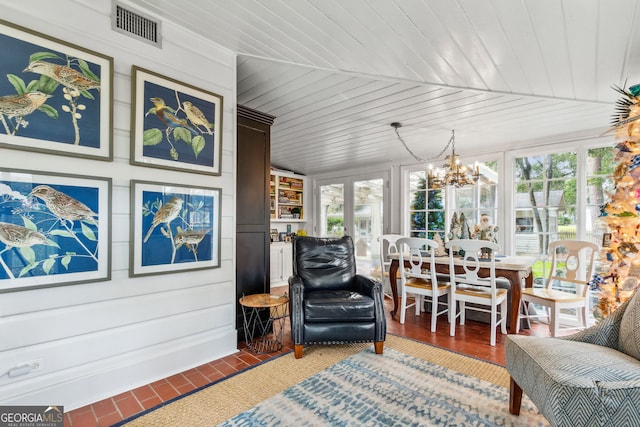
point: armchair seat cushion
(338, 306)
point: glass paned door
(355, 206)
(368, 221)
(332, 210)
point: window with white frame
(426, 213)
(600, 167)
(550, 199)
(544, 201)
(558, 198)
(481, 198)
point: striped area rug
(394, 390)
(411, 384)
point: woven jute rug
(220, 402)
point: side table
(264, 334)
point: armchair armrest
(605, 333)
(366, 285)
(296, 294)
(372, 288)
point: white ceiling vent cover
(136, 25)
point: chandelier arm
(452, 173)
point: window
(426, 209)
(428, 212)
(480, 199)
(552, 203)
(600, 166)
(545, 201)
(559, 197)
(553, 195)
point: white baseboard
(86, 384)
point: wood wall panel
(100, 339)
(252, 206)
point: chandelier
(452, 172)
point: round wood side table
(264, 317)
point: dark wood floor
(471, 339)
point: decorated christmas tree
(622, 213)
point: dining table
(514, 268)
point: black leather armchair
(329, 302)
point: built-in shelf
(287, 197)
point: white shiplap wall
(100, 339)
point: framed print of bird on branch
(174, 125)
(173, 228)
(55, 97)
(54, 229)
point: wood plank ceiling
(502, 73)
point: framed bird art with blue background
(173, 228)
(54, 229)
(55, 97)
(174, 125)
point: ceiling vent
(136, 25)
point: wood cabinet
(281, 263)
(287, 197)
(253, 240)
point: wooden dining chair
(567, 287)
(387, 246)
(468, 287)
(414, 254)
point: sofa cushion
(338, 306)
(629, 331)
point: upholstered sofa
(591, 378)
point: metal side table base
(264, 334)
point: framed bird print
(55, 97)
(173, 228)
(54, 229)
(174, 125)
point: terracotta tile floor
(471, 339)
